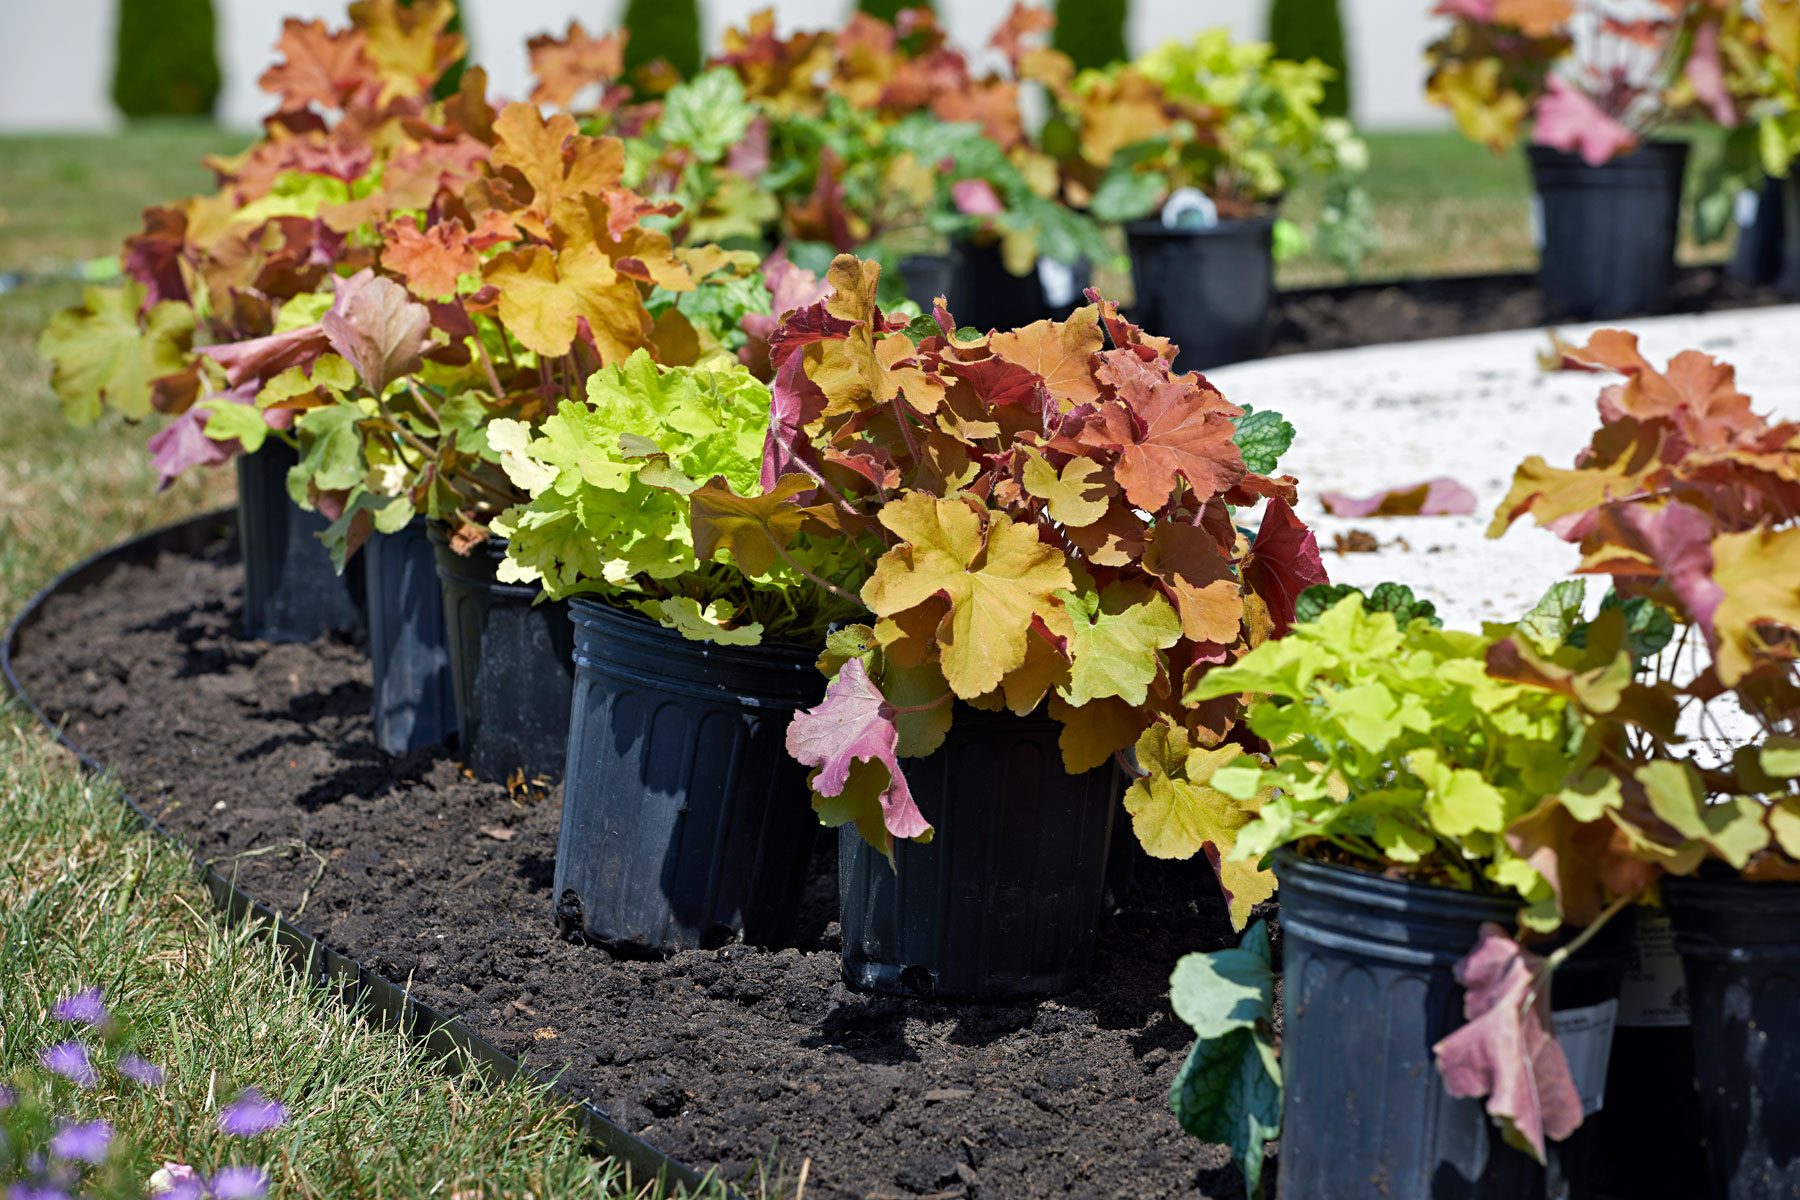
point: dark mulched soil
(1338, 318)
(717, 1057)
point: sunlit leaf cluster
(1048, 516)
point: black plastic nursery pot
(1004, 902)
(409, 651)
(1757, 253)
(1650, 1094)
(685, 822)
(1368, 991)
(1740, 947)
(926, 277)
(292, 593)
(983, 293)
(1609, 232)
(1207, 290)
(511, 665)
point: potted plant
(1594, 86)
(1050, 552)
(1744, 74)
(537, 272)
(226, 291)
(1411, 797)
(684, 822)
(1192, 148)
(1685, 499)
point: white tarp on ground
(1472, 408)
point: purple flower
(240, 1183)
(83, 1008)
(82, 1142)
(70, 1060)
(35, 1191)
(252, 1113)
(8, 1097)
(141, 1071)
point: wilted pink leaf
(1467, 10)
(749, 158)
(855, 721)
(1507, 1052)
(378, 328)
(976, 198)
(1678, 539)
(261, 359)
(789, 288)
(1706, 72)
(1284, 561)
(1438, 497)
(1568, 119)
(182, 444)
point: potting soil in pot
(717, 1057)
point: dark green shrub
(665, 29)
(1092, 32)
(166, 64)
(1303, 29)
(887, 10)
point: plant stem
(1562, 955)
(833, 588)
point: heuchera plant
(1593, 77)
(244, 272)
(1229, 120)
(1048, 518)
(634, 492)
(441, 264)
(1685, 500)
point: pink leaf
(1678, 539)
(378, 328)
(1438, 497)
(183, 444)
(795, 401)
(1507, 1052)
(261, 359)
(855, 721)
(1467, 10)
(976, 198)
(1568, 119)
(1707, 74)
(1284, 561)
(749, 158)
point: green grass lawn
(85, 900)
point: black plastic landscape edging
(354, 984)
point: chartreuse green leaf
(613, 482)
(103, 355)
(1117, 635)
(231, 421)
(1733, 828)
(1263, 436)
(331, 452)
(707, 115)
(1550, 622)
(1393, 740)
(1228, 1091)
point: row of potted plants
(1464, 823)
(1595, 83)
(700, 523)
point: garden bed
(262, 758)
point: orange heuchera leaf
(545, 294)
(1059, 352)
(564, 66)
(1534, 18)
(1758, 614)
(1507, 1052)
(1166, 429)
(554, 158)
(430, 261)
(318, 66)
(755, 529)
(408, 42)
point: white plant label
(1744, 208)
(1653, 993)
(1058, 281)
(1585, 1035)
